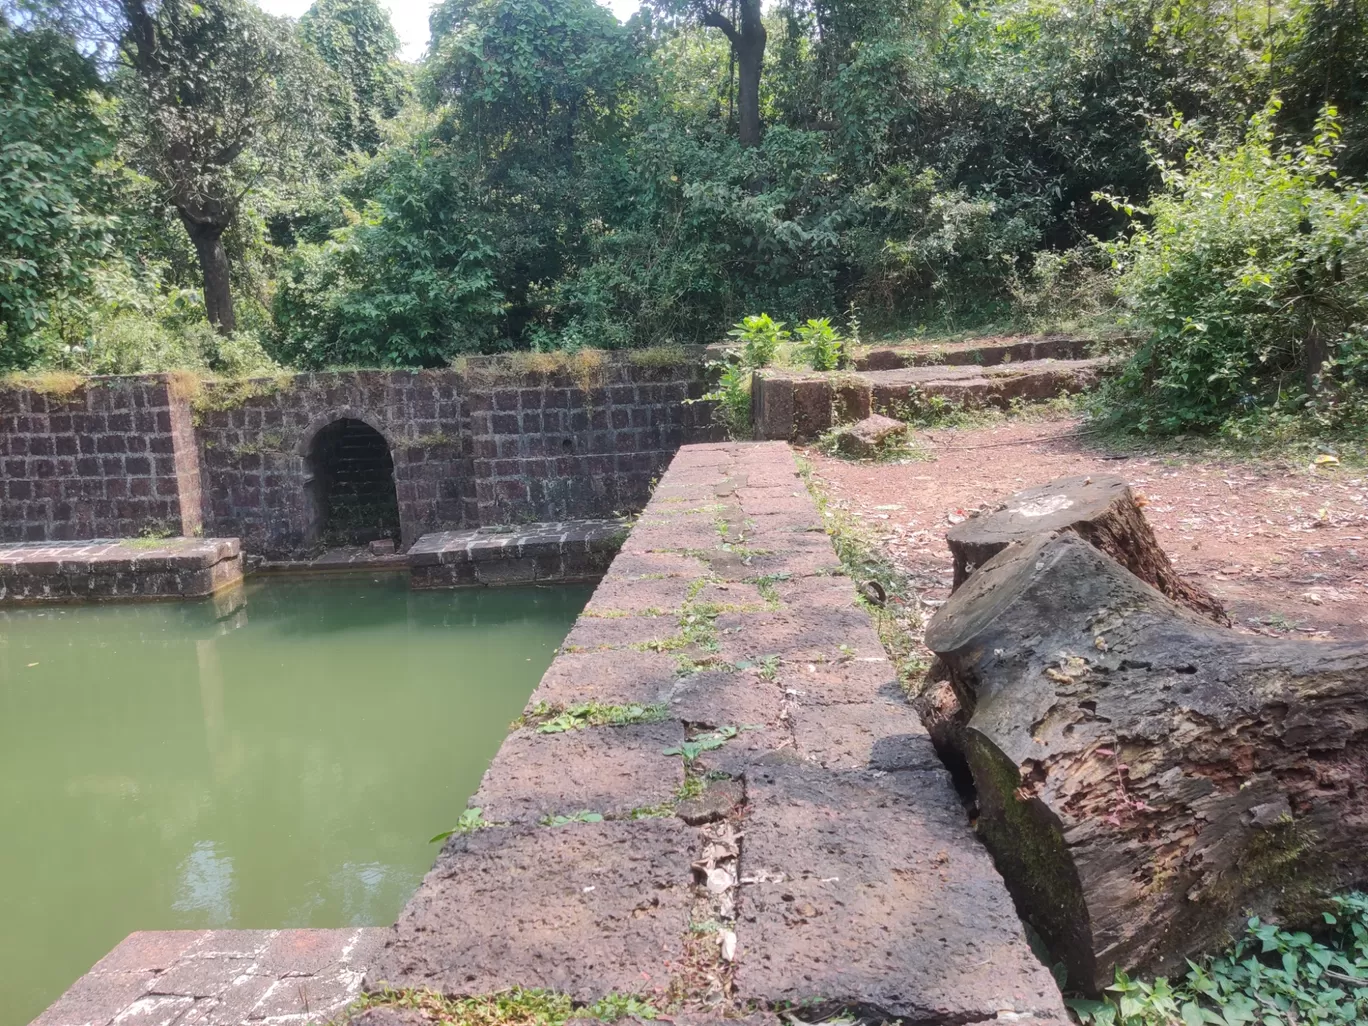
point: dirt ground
(1284, 547)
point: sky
(410, 17)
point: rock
(382, 547)
(867, 438)
(1145, 777)
(1100, 509)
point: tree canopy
(547, 177)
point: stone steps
(829, 845)
(800, 405)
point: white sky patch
(410, 18)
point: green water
(169, 766)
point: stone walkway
(719, 799)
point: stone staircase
(903, 380)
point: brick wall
(108, 459)
(495, 442)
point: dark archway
(352, 498)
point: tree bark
(1146, 777)
(214, 267)
(750, 60)
(1100, 509)
(748, 44)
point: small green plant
(732, 394)
(761, 337)
(695, 747)
(470, 821)
(820, 345)
(1269, 977)
(583, 816)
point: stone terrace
(770, 823)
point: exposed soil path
(1284, 547)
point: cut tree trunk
(1145, 777)
(1101, 510)
(214, 266)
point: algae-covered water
(275, 758)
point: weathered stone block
(611, 916)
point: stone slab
(871, 891)
(585, 910)
(607, 770)
(607, 676)
(114, 570)
(564, 551)
(220, 978)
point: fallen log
(1146, 778)
(1102, 510)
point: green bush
(1249, 273)
(820, 345)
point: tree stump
(1144, 776)
(1101, 510)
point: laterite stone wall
(106, 459)
(497, 441)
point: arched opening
(352, 499)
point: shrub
(820, 346)
(1250, 279)
(760, 337)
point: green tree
(55, 225)
(742, 22)
(357, 41)
(216, 97)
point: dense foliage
(1269, 977)
(1249, 278)
(549, 178)
(55, 227)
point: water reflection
(206, 885)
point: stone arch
(350, 494)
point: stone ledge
(117, 570)
(575, 550)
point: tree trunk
(213, 261)
(1102, 511)
(1146, 777)
(750, 59)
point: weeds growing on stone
(470, 821)
(694, 747)
(898, 621)
(593, 714)
(583, 816)
(516, 1007)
